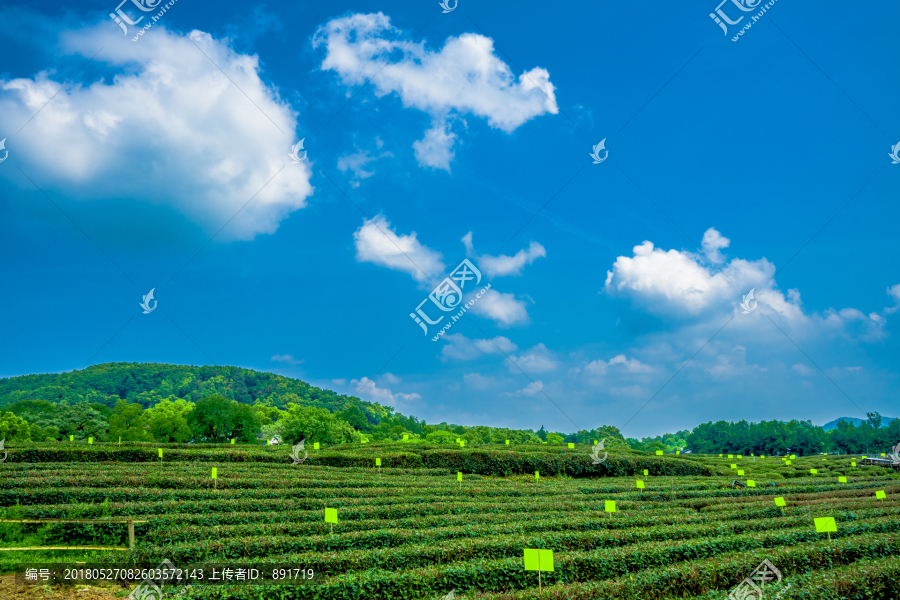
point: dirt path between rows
(10, 591)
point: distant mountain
(885, 421)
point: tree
(212, 419)
(79, 419)
(554, 438)
(168, 420)
(13, 428)
(441, 437)
(129, 422)
(542, 433)
(316, 425)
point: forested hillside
(148, 383)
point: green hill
(147, 383)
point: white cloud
(503, 308)
(463, 77)
(435, 150)
(532, 389)
(356, 163)
(503, 265)
(377, 243)
(676, 283)
(459, 347)
(477, 381)
(391, 378)
(713, 242)
(599, 367)
(168, 128)
(287, 358)
(894, 292)
(537, 360)
(367, 389)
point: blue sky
(615, 288)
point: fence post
(131, 535)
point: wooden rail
(130, 523)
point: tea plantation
(413, 529)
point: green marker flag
(507, 442)
(315, 445)
(331, 515)
(793, 457)
(232, 440)
(733, 466)
(751, 454)
(610, 506)
(825, 525)
(462, 443)
(824, 459)
(537, 475)
(865, 457)
(71, 438)
(779, 501)
(731, 456)
(880, 495)
(659, 452)
(842, 480)
(571, 445)
(457, 440)
(538, 560)
(405, 436)
(813, 472)
(640, 484)
(741, 472)
(459, 476)
(852, 464)
(720, 456)
(787, 462)
(595, 442)
(882, 453)
(740, 456)
(160, 453)
(646, 473)
(90, 440)
(762, 455)
(214, 473)
(751, 483)
(377, 462)
(678, 452)
(120, 440)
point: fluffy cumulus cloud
(503, 265)
(538, 359)
(378, 243)
(287, 359)
(464, 77)
(369, 390)
(505, 309)
(168, 128)
(680, 284)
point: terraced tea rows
(419, 533)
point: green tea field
(413, 528)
